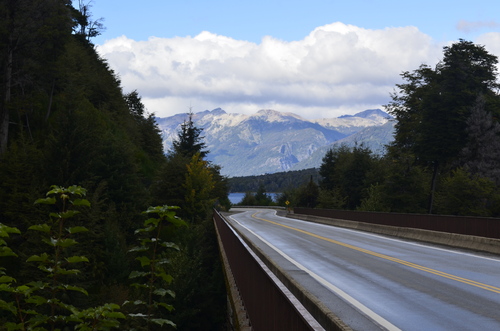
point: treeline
(277, 182)
(445, 158)
(65, 121)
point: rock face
(271, 141)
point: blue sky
(316, 58)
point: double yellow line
(390, 258)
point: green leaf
(170, 245)
(113, 314)
(76, 259)
(40, 227)
(36, 299)
(153, 221)
(135, 274)
(76, 288)
(81, 202)
(9, 306)
(38, 258)
(163, 261)
(6, 230)
(138, 315)
(62, 271)
(77, 229)
(6, 251)
(77, 190)
(46, 201)
(7, 279)
(166, 306)
(69, 213)
(148, 229)
(68, 242)
(166, 277)
(162, 321)
(144, 260)
(138, 249)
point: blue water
(236, 197)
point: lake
(236, 197)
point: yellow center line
(390, 258)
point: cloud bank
(337, 69)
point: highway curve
(377, 282)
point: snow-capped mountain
(270, 141)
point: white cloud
(336, 69)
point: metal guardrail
(472, 226)
(267, 307)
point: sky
(315, 58)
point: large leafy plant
(45, 304)
(153, 278)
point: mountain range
(270, 141)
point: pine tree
(189, 140)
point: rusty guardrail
(267, 307)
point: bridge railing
(471, 226)
(268, 308)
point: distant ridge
(270, 141)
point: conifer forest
(101, 228)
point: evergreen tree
(346, 171)
(189, 142)
(307, 195)
(432, 107)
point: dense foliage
(65, 120)
(445, 157)
(277, 182)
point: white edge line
(365, 310)
(298, 305)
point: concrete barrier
(483, 244)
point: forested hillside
(65, 121)
(277, 182)
(445, 158)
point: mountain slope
(270, 141)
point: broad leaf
(40, 227)
(68, 242)
(69, 213)
(75, 259)
(135, 274)
(6, 251)
(144, 260)
(166, 306)
(6, 230)
(38, 258)
(138, 249)
(166, 277)
(76, 288)
(81, 202)
(7, 279)
(162, 321)
(9, 306)
(36, 299)
(46, 201)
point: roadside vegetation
(78, 258)
(445, 158)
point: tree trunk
(433, 185)
(4, 109)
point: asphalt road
(375, 282)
